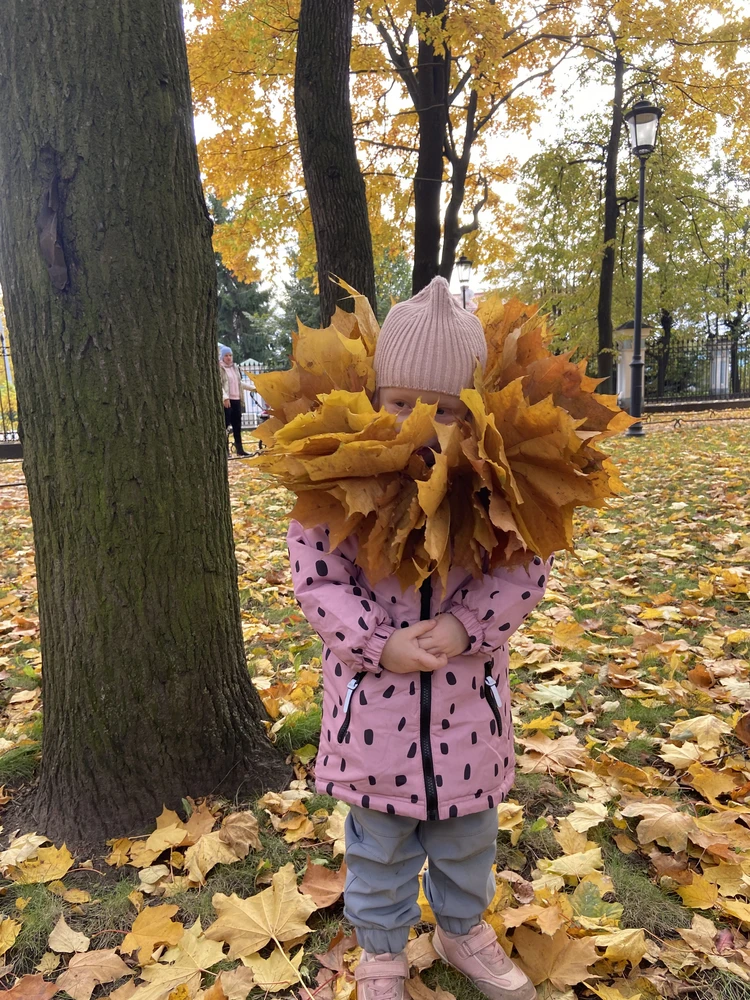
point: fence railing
(8, 405)
(707, 369)
(254, 406)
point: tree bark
(611, 213)
(432, 113)
(110, 292)
(334, 182)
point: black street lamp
(463, 266)
(643, 123)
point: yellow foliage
(505, 481)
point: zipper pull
(351, 687)
(492, 685)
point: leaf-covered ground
(623, 854)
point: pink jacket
(430, 746)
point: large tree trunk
(611, 212)
(432, 112)
(335, 187)
(110, 292)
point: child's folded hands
(404, 653)
(448, 636)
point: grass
(719, 985)
(19, 763)
(39, 916)
(300, 730)
(644, 903)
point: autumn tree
(433, 83)
(110, 292)
(690, 61)
(333, 181)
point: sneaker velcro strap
(478, 942)
(397, 967)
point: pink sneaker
(381, 977)
(481, 959)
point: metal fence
(254, 406)
(713, 368)
(8, 405)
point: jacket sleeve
(493, 607)
(224, 383)
(346, 617)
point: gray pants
(384, 855)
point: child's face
(402, 402)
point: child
(417, 732)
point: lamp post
(463, 266)
(643, 123)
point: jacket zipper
(493, 696)
(351, 687)
(425, 708)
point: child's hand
(448, 637)
(404, 654)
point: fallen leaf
(48, 864)
(20, 849)
(662, 823)
(323, 884)
(96, 968)
(564, 961)
(210, 851)
(77, 896)
(31, 988)
(742, 729)
(420, 953)
(278, 972)
(236, 983)
(277, 913)
(706, 730)
(120, 854)
(65, 940)
(181, 965)
(699, 895)
(240, 831)
(9, 929)
(587, 815)
(47, 963)
(152, 927)
(627, 945)
(576, 865)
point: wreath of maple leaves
(501, 489)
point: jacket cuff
(474, 628)
(373, 649)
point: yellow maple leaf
(209, 851)
(278, 914)
(562, 960)
(737, 909)
(661, 822)
(575, 865)
(278, 972)
(49, 864)
(699, 895)
(120, 854)
(153, 926)
(626, 945)
(9, 929)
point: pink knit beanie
(429, 342)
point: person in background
(232, 384)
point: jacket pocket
(493, 696)
(351, 687)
